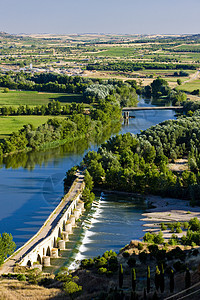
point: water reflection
(28, 160)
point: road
(45, 230)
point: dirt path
(44, 231)
(194, 76)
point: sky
(103, 16)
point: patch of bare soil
(179, 165)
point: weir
(53, 235)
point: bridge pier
(68, 227)
(65, 236)
(73, 220)
(46, 261)
(54, 253)
(61, 245)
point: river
(31, 185)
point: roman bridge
(54, 234)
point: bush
(143, 256)
(178, 230)
(162, 226)
(140, 246)
(102, 270)
(101, 262)
(153, 249)
(87, 263)
(126, 254)
(21, 277)
(185, 225)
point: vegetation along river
(31, 185)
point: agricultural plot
(35, 98)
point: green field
(190, 86)
(117, 51)
(36, 98)
(10, 124)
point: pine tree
(148, 279)
(121, 277)
(187, 279)
(171, 281)
(133, 277)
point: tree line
(137, 66)
(139, 163)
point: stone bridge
(54, 234)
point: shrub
(102, 270)
(87, 263)
(153, 249)
(185, 225)
(71, 288)
(140, 246)
(194, 224)
(163, 227)
(126, 254)
(21, 277)
(143, 256)
(100, 262)
(178, 230)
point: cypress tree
(157, 278)
(148, 279)
(133, 277)
(121, 277)
(187, 279)
(162, 279)
(145, 294)
(171, 282)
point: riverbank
(167, 210)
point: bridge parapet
(56, 239)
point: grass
(14, 289)
(36, 98)
(10, 124)
(116, 52)
(190, 86)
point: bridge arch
(59, 232)
(48, 253)
(39, 259)
(29, 263)
(64, 225)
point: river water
(31, 185)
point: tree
(157, 278)
(187, 279)
(121, 276)
(88, 180)
(179, 82)
(71, 288)
(7, 246)
(133, 278)
(162, 279)
(171, 281)
(148, 279)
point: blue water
(28, 194)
